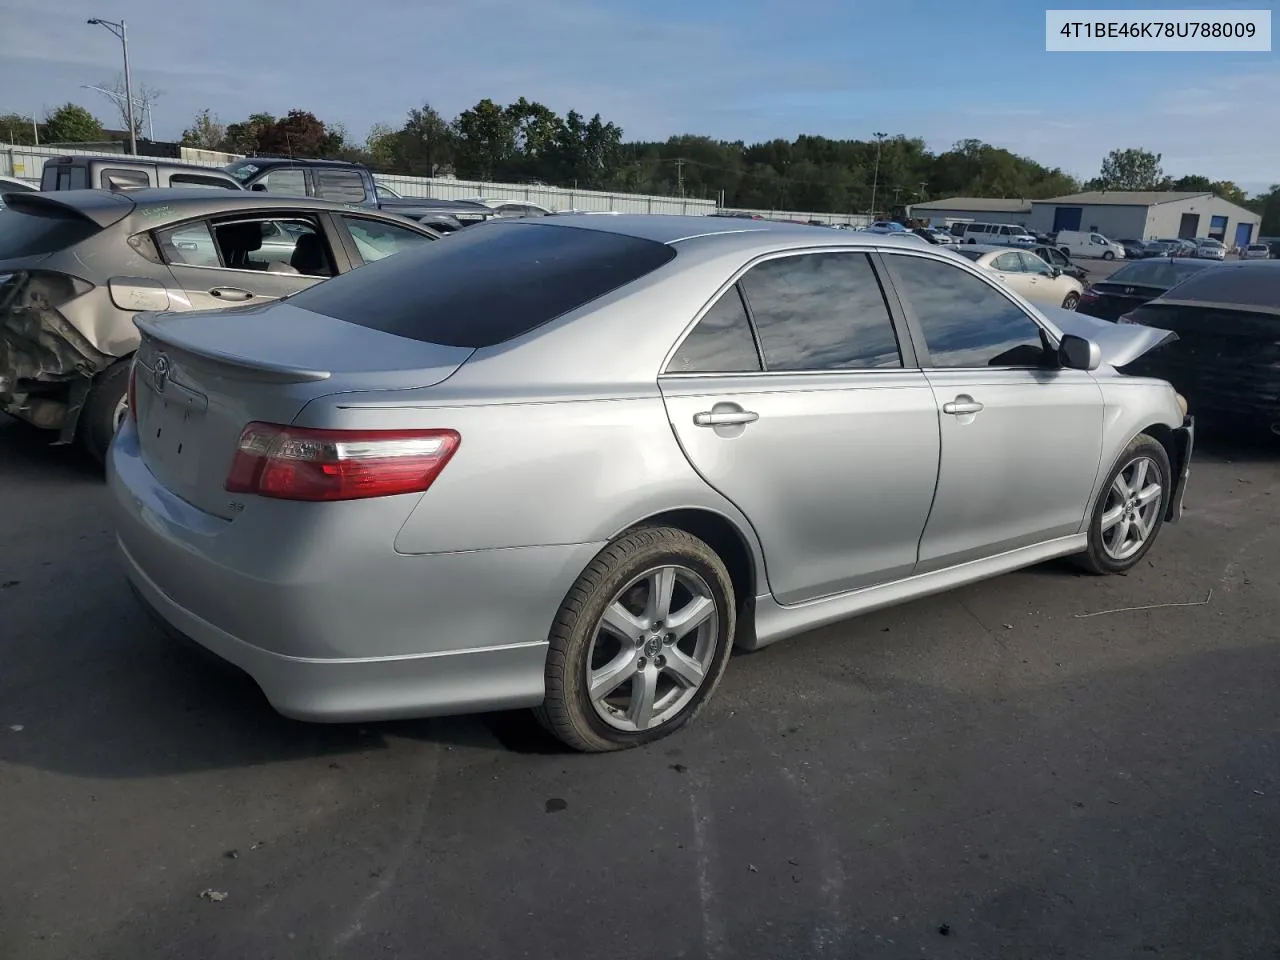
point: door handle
(726, 419)
(961, 405)
(231, 293)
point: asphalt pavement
(1044, 765)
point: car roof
(161, 206)
(672, 228)
(1252, 286)
(263, 163)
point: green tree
(1131, 169)
(485, 141)
(425, 145)
(1268, 205)
(205, 132)
(1229, 191)
(246, 136)
(16, 129)
(71, 123)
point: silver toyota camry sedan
(569, 462)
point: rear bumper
(354, 690)
(1183, 441)
(331, 622)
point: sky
(746, 70)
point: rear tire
(104, 408)
(675, 650)
(1130, 509)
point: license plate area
(170, 430)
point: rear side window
(196, 180)
(27, 229)
(721, 342)
(821, 311)
(117, 178)
(340, 186)
(486, 284)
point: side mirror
(1055, 272)
(1077, 353)
(259, 188)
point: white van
(1076, 243)
(1000, 234)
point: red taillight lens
(297, 463)
(1089, 294)
(131, 395)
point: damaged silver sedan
(76, 267)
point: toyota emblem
(160, 373)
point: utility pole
(875, 181)
(896, 191)
(680, 175)
(120, 31)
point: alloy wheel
(652, 649)
(1131, 509)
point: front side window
(1033, 264)
(721, 342)
(966, 322)
(821, 311)
(376, 240)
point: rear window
(971, 254)
(487, 284)
(1159, 273)
(27, 230)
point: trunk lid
(201, 377)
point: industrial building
(1146, 215)
(1120, 215)
(982, 209)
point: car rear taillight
(298, 463)
(1089, 295)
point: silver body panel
(852, 489)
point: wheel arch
(730, 544)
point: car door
(828, 445)
(246, 258)
(1021, 437)
(1009, 267)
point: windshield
(242, 171)
(29, 230)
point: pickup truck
(351, 184)
(347, 183)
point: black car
(1226, 360)
(1133, 249)
(1136, 283)
(1056, 258)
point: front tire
(1130, 509)
(104, 409)
(1070, 301)
(640, 642)
(1108, 255)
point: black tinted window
(196, 180)
(486, 284)
(966, 322)
(821, 311)
(341, 186)
(721, 342)
(27, 229)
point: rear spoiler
(99, 207)
(154, 330)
